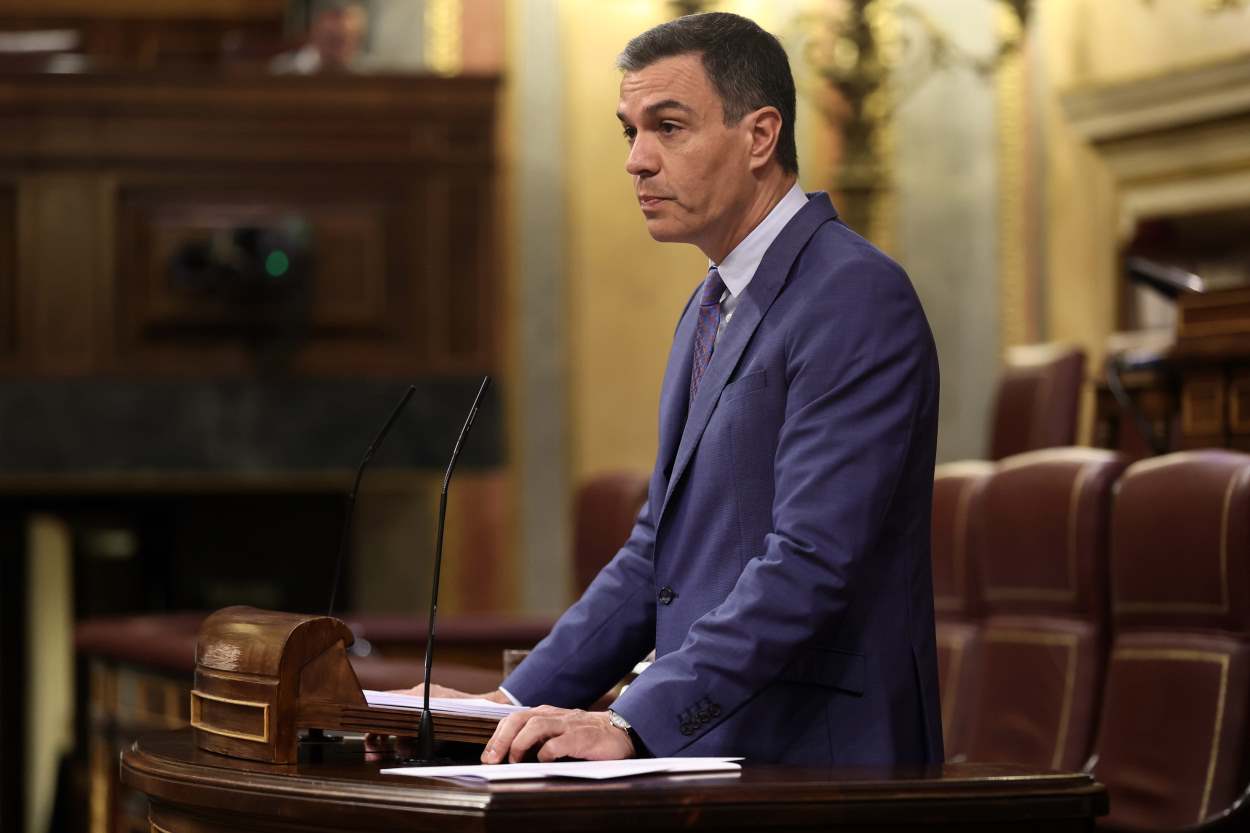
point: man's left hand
(557, 733)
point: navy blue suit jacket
(780, 567)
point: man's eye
(629, 134)
(668, 128)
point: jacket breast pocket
(829, 667)
(753, 381)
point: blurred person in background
(333, 44)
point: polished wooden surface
(339, 787)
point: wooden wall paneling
(361, 283)
(1239, 402)
(395, 174)
(152, 33)
(462, 270)
(8, 272)
(348, 290)
(352, 265)
(58, 271)
(104, 274)
(436, 264)
(232, 10)
(282, 120)
(473, 306)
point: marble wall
(946, 170)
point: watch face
(618, 721)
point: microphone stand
(317, 736)
(425, 748)
(345, 540)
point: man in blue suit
(780, 567)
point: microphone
(425, 739)
(344, 542)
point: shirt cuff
(511, 699)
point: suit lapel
(676, 389)
(753, 304)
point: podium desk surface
(338, 786)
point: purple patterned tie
(705, 329)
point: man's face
(691, 172)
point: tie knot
(713, 288)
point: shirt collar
(739, 266)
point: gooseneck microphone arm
(426, 738)
(345, 541)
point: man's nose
(642, 159)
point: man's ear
(765, 129)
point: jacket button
(666, 595)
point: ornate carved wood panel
(389, 181)
(361, 284)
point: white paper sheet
(466, 706)
(592, 770)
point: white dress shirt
(739, 266)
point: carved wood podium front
(340, 787)
(262, 677)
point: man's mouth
(649, 201)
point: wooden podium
(338, 787)
(261, 677)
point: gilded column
(444, 35)
(1016, 324)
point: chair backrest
(1040, 531)
(956, 596)
(1172, 744)
(956, 593)
(1037, 401)
(604, 511)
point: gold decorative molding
(444, 35)
(197, 720)
(1180, 98)
(882, 209)
(1186, 655)
(1014, 310)
(1214, 6)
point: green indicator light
(277, 263)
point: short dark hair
(747, 66)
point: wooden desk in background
(338, 787)
(1197, 393)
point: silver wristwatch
(619, 722)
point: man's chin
(664, 232)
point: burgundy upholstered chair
(603, 515)
(1172, 744)
(1039, 527)
(956, 593)
(1038, 398)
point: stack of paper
(459, 706)
(592, 770)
